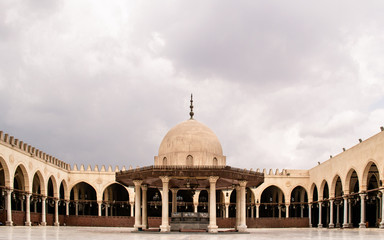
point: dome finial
(191, 112)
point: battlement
(13, 142)
(89, 168)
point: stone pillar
(28, 209)
(43, 211)
(252, 212)
(99, 208)
(212, 227)
(76, 208)
(310, 214)
(286, 210)
(22, 205)
(320, 225)
(279, 207)
(362, 210)
(132, 204)
(144, 221)
(301, 211)
(67, 207)
(227, 210)
(382, 209)
(56, 223)
(8, 207)
(338, 215)
(331, 225)
(174, 199)
(257, 210)
(35, 206)
(196, 200)
(350, 213)
(237, 207)
(345, 223)
(164, 227)
(243, 224)
(137, 204)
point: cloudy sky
(283, 84)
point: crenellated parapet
(96, 169)
(15, 143)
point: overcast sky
(283, 84)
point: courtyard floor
(98, 233)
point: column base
(8, 223)
(337, 225)
(345, 225)
(165, 228)
(136, 227)
(43, 223)
(56, 224)
(382, 225)
(213, 229)
(362, 225)
(331, 225)
(242, 228)
(28, 224)
(320, 225)
(351, 225)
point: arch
(116, 197)
(189, 160)
(273, 200)
(41, 183)
(215, 162)
(5, 169)
(25, 177)
(80, 181)
(165, 162)
(298, 202)
(298, 188)
(366, 172)
(54, 185)
(336, 179)
(84, 198)
(313, 193)
(352, 174)
(64, 194)
(323, 189)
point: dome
(190, 143)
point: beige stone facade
(344, 191)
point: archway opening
(2, 187)
(50, 197)
(203, 201)
(272, 203)
(338, 210)
(116, 201)
(154, 202)
(83, 200)
(62, 202)
(18, 197)
(299, 203)
(315, 207)
(354, 203)
(325, 206)
(373, 197)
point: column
(226, 210)
(382, 209)
(212, 227)
(362, 210)
(301, 211)
(237, 207)
(252, 212)
(196, 200)
(56, 223)
(257, 210)
(43, 212)
(137, 204)
(8, 207)
(164, 227)
(338, 215)
(67, 207)
(144, 221)
(331, 225)
(243, 224)
(310, 214)
(350, 213)
(132, 204)
(22, 204)
(286, 210)
(76, 208)
(174, 199)
(279, 207)
(28, 209)
(320, 225)
(99, 208)
(345, 224)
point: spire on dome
(191, 112)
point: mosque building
(190, 187)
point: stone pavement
(98, 233)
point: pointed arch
(313, 193)
(25, 180)
(332, 190)
(63, 194)
(352, 173)
(364, 179)
(37, 175)
(7, 176)
(54, 185)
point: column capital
(174, 190)
(213, 179)
(331, 200)
(243, 183)
(363, 194)
(137, 182)
(43, 198)
(164, 179)
(144, 187)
